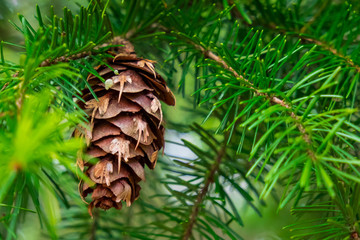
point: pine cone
(126, 129)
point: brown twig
(202, 194)
(115, 41)
(49, 62)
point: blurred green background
(267, 227)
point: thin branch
(275, 100)
(94, 225)
(334, 51)
(116, 41)
(322, 44)
(200, 198)
(49, 62)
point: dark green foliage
(271, 87)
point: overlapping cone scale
(125, 129)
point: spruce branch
(69, 58)
(326, 46)
(311, 39)
(109, 46)
(204, 190)
(301, 34)
(273, 99)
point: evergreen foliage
(271, 90)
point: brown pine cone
(125, 125)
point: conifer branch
(116, 41)
(300, 34)
(273, 99)
(334, 51)
(202, 194)
(322, 44)
(49, 62)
